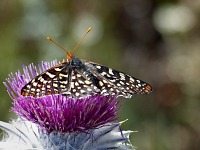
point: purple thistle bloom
(57, 112)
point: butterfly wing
(61, 79)
(119, 82)
(53, 81)
(81, 85)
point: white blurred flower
(174, 19)
(24, 135)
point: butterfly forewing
(120, 81)
(49, 82)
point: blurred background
(157, 41)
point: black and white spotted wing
(120, 81)
(78, 78)
(61, 79)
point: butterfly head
(75, 62)
(69, 56)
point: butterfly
(78, 78)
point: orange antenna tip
(89, 29)
(48, 38)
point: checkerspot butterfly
(78, 78)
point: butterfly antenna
(88, 30)
(51, 40)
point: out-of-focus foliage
(156, 41)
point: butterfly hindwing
(82, 86)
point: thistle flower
(66, 123)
